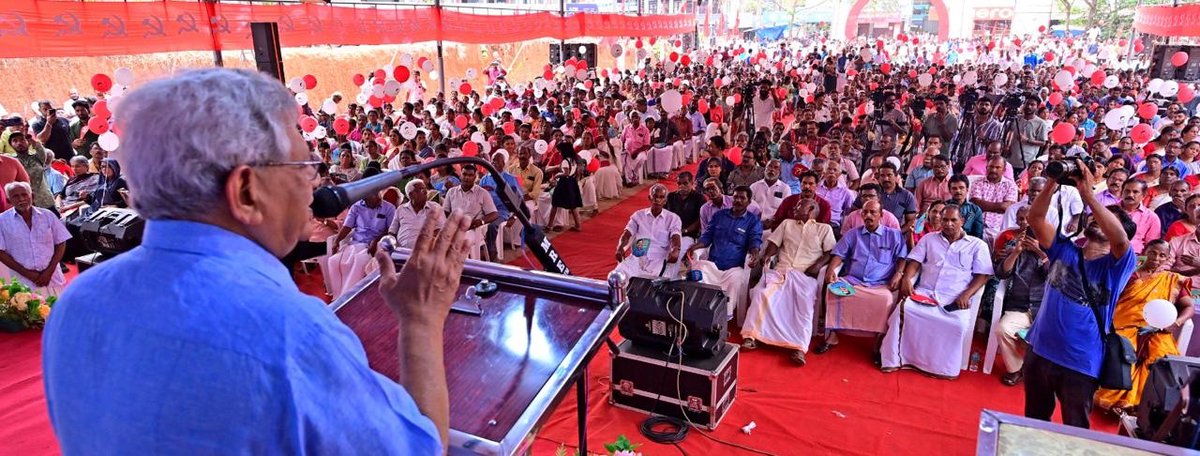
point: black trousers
(1046, 381)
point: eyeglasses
(310, 166)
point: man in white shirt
(653, 237)
(764, 106)
(1035, 188)
(410, 216)
(927, 329)
(770, 191)
(32, 242)
(475, 202)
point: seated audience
(32, 242)
(652, 237)
(733, 239)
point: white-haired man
(504, 218)
(411, 215)
(32, 241)
(653, 237)
(202, 327)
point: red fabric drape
(44, 28)
(1166, 20)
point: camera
(1013, 102)
(1066, 171)
(967, 99)
(917, 106)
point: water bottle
(973, 365)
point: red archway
(939, 7)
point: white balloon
(1159, 313)
(713, 129)
(308, 137)
(969, 78)
(320, 132)
(672, 100)
(478, 137)
(432, 75)
(1065, 80)
(123, 76)
(408, 130)
(1115, 119)
(925, 79)
(428, 66)
(581, 74)
(730, 101)
(329, 107)
(1000, 80)
(391, 88)
(540, 146)
(297, 85)
(1154, 85)
(1128, 110)
(302, 98)
(669, 66)
(568, 69)
(1111, 81)
(586, 155)
(642, 54)
(362, 98)
(109, 141)
(616, 50)
(406, 59)
(1169, 88)
(472, 73)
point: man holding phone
(1023, 264)
(1066, 349)
(52, 131)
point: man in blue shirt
(200, 341)
(733, 235)
(504, 218)
(1066, 348)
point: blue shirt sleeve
(706, 234)
(755, 233)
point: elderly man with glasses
(205, 322)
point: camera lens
(1058, 169)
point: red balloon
(497, 103)
(100, 109)
(902, 37)
(702, 105)
(548, 75)
(912, 74)
(1139, 46)
(461, 121)
(310, 82)
(886, 68)
(653, 39)
(308, 124)
(717, 82)
(677, 82)
(470, 149)
(674, 57)
(637, 44)
(1048, 56)
(737, 98)
(1141, 133)
(359, 79)
(735, 155)
(1186, 93)
(1063, 133)
(781, 92)
(588, 84)
(1098, 77)
(1179, 58)
(375, 102)
(401, 73)
(916, 41)
(97, 125)
(464, 89)
(510, 128)
(593, 165)
(932, 70)
(1041, 29)
(341, 126)
(1055, 98)
(685, 60)
(1147, 110)
(1016, 42)
(1070, 41)
(851, 72)
(1070, 68)
(1123, 43)
(101, 82)
(879, 44)
(873, 86)
(380, 75)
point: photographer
(1066, 349)
(892, 121)
(942, 124)
(1030, 136)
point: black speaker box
(656, 310)
(266, 48)
(112, 230)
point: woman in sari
(110, 190)
(1147, 284)
(1186, 225)
(83, 182)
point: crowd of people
(893, 189)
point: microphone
(331, 201)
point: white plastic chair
(993, 344)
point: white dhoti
(633, 166)
(661, 159)
(587, 190)
(781, 309)
(344, 269)
(697, 148)
(733, 281)
(926, 337)
(682, 153)
(633, 266)
(607, 181)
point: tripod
(957, 156)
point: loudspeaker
(657, 309)
(112, 230)
(266, 48)
(1170, 408)
(589, 54)
(1162, 68)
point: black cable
(676, 431)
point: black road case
(644, 379)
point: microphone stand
(334, 200)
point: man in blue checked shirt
(733, 238)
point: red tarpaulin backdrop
(1182, 20)
(41, 28)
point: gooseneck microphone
(331, 201)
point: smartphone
(952, 307)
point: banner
(1182, 20)
(46, 28)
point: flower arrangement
(21, 308)
(621, 447)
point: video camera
(967, 99)
(1013, 101)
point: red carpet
(838, 404)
